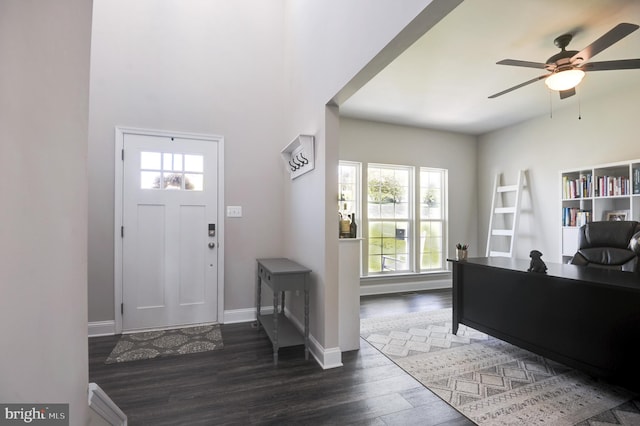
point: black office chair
(612, 245)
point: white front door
(170, 231)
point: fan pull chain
(579, 107)
(550, 104)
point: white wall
(371, 142)
(258, 73)
(203, 66)
(328, 44)
(44, 93)
(544, 146)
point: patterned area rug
(493, 382)
(153, 344)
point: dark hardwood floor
(401, 303)
(239, 385)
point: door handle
(212, 245)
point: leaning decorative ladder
(505, 212)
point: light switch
(234, 211)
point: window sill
(407, 276)
(399, 283)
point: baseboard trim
(102, 328)
(103, 406)
(388, 288)
(108, 328)
(244, 315)
(326, 358)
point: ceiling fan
(567, 68)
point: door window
(171, 171)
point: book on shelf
(581, 187)
(611, 186)
(573, 216)
(636, 181)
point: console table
(586, 318)
(281, 275)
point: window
(349, 189)
(389, 204)
(403, 217)
(432, 214)
(165, 170)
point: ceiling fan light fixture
(564, 80)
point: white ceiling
(443, 81)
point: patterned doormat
(493, 382)
(153, 344)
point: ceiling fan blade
(622, 64)
(614, 35)
(566, 93)
(517, 63)
(533, 80)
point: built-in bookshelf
(602, 192)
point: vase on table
(461, 254)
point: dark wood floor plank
(401, 303)
(349, 412)
(239, 385)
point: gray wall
(258, 73)
(44, 95)
(372, 142)
(328, 43)
(544, 146)
(212, 67)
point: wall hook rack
(299, 155)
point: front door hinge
(122, 232)
(122, 154)
(122, 309)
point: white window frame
(415, 221)
(444, 185)
(410, 219)
(358, 192)
(360, 207)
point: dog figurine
(536, 265)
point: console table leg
(275, 327)
(306, 324)
(258, 296)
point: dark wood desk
(282, 275)
(583, 317)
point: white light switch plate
(234, 211)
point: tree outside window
(389, 201)
(405, 223)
